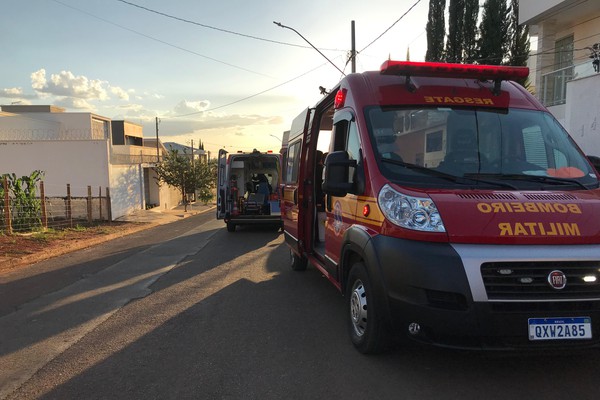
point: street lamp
(311, 45)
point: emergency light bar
(447, 70)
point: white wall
(169, 197)
(18, 127)
(74, 126)
(126, 189)
(164, 196)
(79, 163)
(582, 118)
(529, 9)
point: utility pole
(192, 153)
(157, 147)
(353, 47)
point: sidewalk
(158, 217)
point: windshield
(515, 148)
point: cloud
(16, 93)
(119, 92)
(38, 79)
(12, 92)
(68, 85)
(72, 102)
(188, 107)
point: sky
(220, 72)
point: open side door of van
(222, 184)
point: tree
(493, 29)
(25, 203)
(518, 36)
(456, 21)
(435, 31)
(179, 171)
(470, 30)
(208, 180)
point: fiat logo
(557, 280)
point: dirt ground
(23, 249)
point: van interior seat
(463, 156)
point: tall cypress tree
(456, 20)
(470, 30)
(436, 30)
(493, 29)
(518, 49)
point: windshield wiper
(457, 179)
(540, 178)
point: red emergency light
(340, 98)
(447, 70)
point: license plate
(560, 328)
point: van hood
(520, 217)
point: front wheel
(368, 331)
(230, 227)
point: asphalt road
(191, 311)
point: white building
(82, 149)
(567, 81)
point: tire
(296, 262)
(230, 227)
(368, 331)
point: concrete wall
(20, 127)
(126, 189)
(74, 148)
(582, 118)
(163, 196)
(79, 163)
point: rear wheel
(368, 331)
(296, 262)
(230, 227)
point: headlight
(409, 212)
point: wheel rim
(358, 308)
(292, 258)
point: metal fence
(59, 212)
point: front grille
(529, 280)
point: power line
(159, 40)
(391, 26)
(215, 28)
(248, 97)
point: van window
(292, 162)
(353, 146)
(345, 138)
(509, 148)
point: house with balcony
(81, 150)
(567, 60)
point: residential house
(567, 59)
(82, 149)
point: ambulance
(451, 209)
(248, 188)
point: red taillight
(340, 98)
(447, 70)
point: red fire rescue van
(247, 191)
(452, 209)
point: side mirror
(595, 162)
(337, 174)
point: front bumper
(440, 287)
